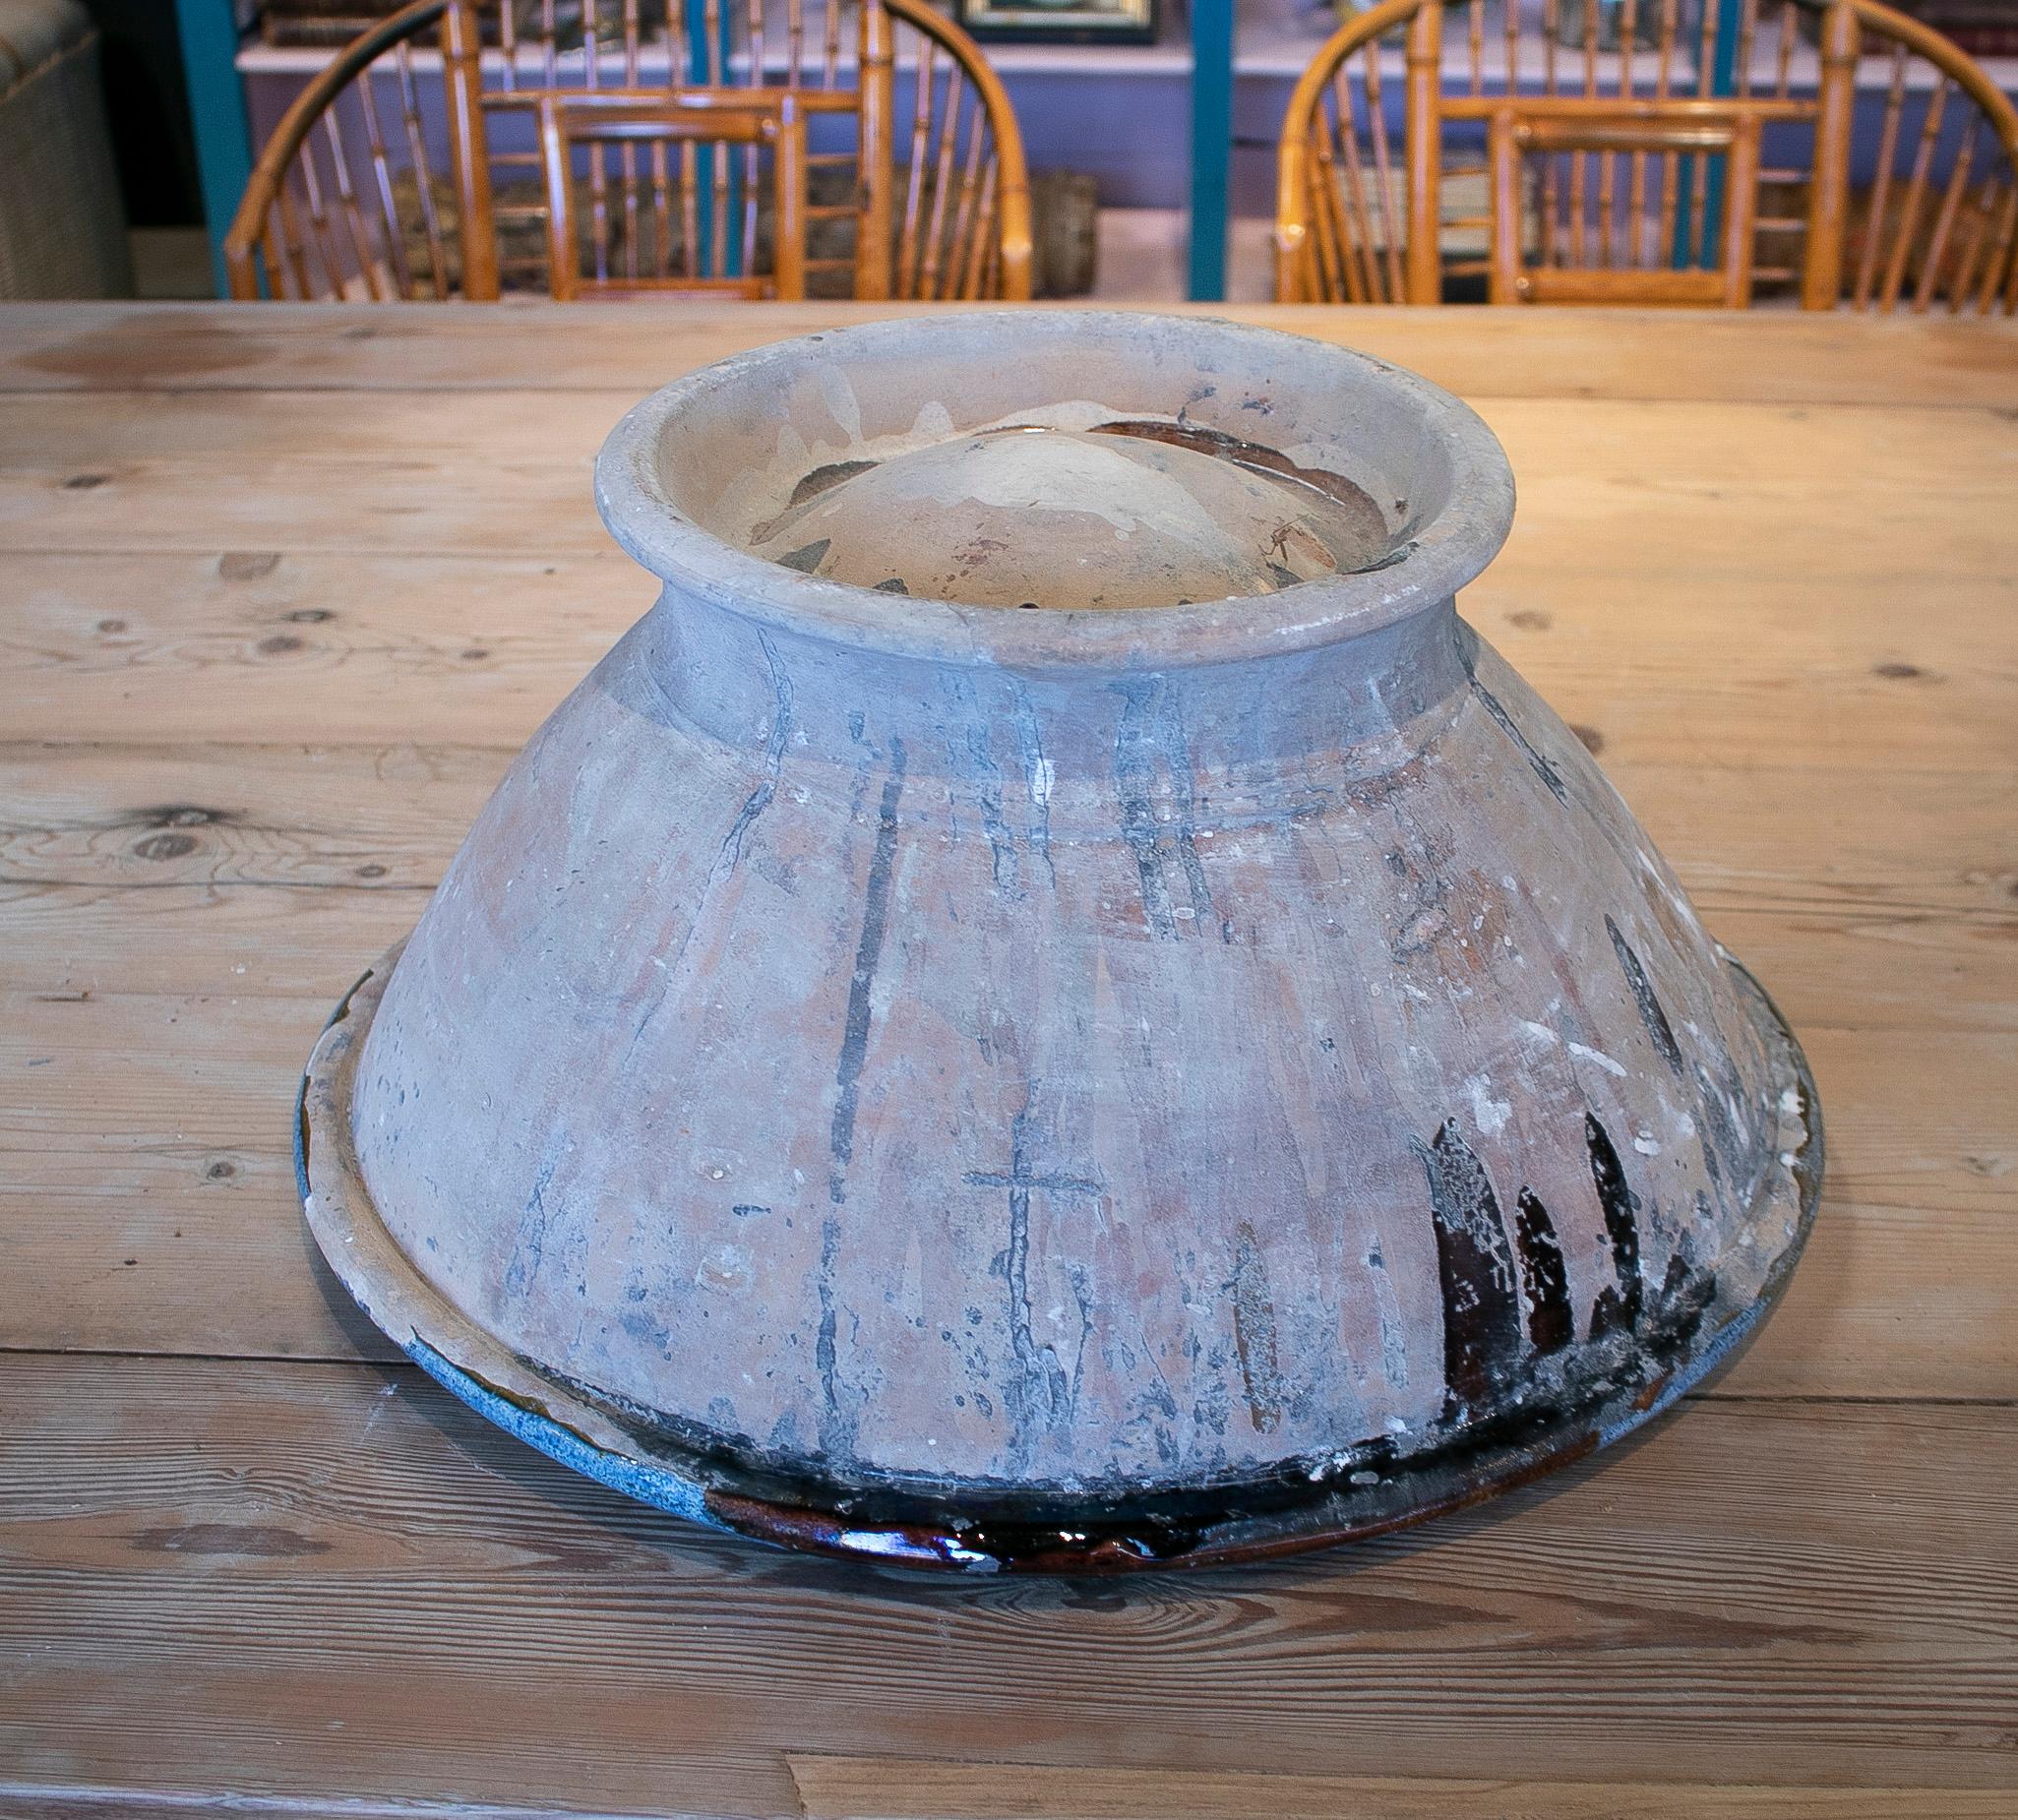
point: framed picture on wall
(1062, 22)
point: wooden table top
(281, 593)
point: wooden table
(280, 592)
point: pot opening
(1076, 461)
(1066, 509)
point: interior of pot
(1074, 459)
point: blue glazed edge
(649, 1485)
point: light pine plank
(1882, 970)
(1703, 661)
(144, 1165)
(1486, 354)
(1833, 491)
(349, 817)
(846, 1787)
(203, 941)
(69, 1801)
(257, 646)
(147, 1180)
(336, 1581)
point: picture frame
(1060, 21)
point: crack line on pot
(1468, 650)
(1149, 731)
(1040, 1388)
(1651, 1015)
(760, 799)
(837, 1430)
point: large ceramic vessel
(1052, 1004)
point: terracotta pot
(912, 1061)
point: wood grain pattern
(1762, 1587)
(838, 1787)
(201, 472)
(1790, 360)
(256, 678)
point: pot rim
(1438, 557)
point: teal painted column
(216, 112)
(1212, 145)
(1723, 81)
(699, 60)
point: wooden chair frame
(1304, 234)
(519, 92)
(881, 219)
(884, 242)
(808, 103)
(880, 235)
(886, 225)
(1671, 129)
(250, 239)
(1842, 46)
(718, 117)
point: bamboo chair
(960, 229)
(343, 202)
(805, 50)
(657, 123)
(1373, 145)
(878, 230)
(953, 221)
(1938, 222)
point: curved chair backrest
(1384, 168)
(1935, 218)
(948, 194)
(915, 179)
(801, 47)
(554, 45)
(345, 201)
(953, 221)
